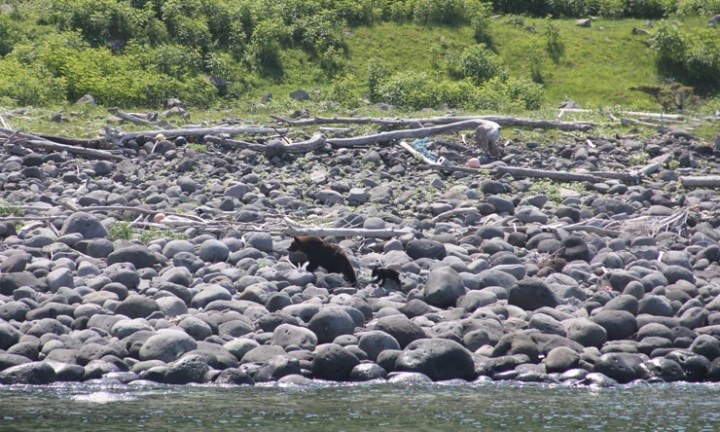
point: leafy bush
(412, 90)
(377, 74)
(510, 94)
(29, 85)
(102, 21)
(698, 7)
(691, 57)
(649, 8)
(477, 63)
(446, 12)
(263, 51)
(480, 24)
(607, 8)
(554, 46)
(567, 8)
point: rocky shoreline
(502, 278)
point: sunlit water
(377, 407)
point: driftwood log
(491, 132)
(396, 123)
(316, 141)
(119, 138)
(31, 141)
(709, 181)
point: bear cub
(320, 253)
(381, 275)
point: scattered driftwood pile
(275, 140)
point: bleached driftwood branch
(294, 229)
(316, 141)
(593, 177)
(388, 122)
(709, 181)
(36, 142)
(119, 138)
(413, 133)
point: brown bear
(381, 275)
(320, 253)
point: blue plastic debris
(421, 145)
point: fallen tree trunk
(387, 122)
(129, 117)
(294, 229)
(316, 141)
(35, 142)
(119, 138)
(593, 177)
(414, 133)
(709, 181)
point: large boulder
(618, 324)
(85, 224)
(286, 335)
(333, 362)
(439, 359)
(331, 322)
(401, 328)
(443, 287)
(531, 294)
(167, 346)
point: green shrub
(480, 24)
(519, 7)
(9, 34)
(607, 8)
(567, 8)
(477, 63)
(412, 90)
(691, 57)
(377, 74)
(101, 21)
(358, 12)
(554, 44)
(446, 12)
(649, 8)
(510, 94)
(29, 84)
(263, 51)
(698, 7)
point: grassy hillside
(134, 53)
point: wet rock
(439, 359)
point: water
(377, 407)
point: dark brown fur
(320, 253)
(381, 275)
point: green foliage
(481, 25)
(554, 44)
(446, 12)
(102, 21)
(120, 231)
(477, 63)
(691, 56)
(413, 90)
(377, 73)
(510, 94)
(263, 51)
(29, 85)
(686, 8)
(638, 158)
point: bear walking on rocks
(320, 253)
(382, 275)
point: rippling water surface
(377, 407)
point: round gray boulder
(167, 346)
(333, 362)
(439, 359)
(85, 224)
(331, 322)
(443, 287)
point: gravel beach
(171, 264)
